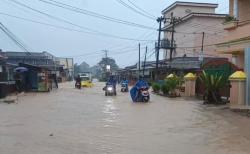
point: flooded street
(74, 121)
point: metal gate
(219, 67)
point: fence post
(238, 88)
(190, 80)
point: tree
(108, 61)
(84, 67)
(96, 71)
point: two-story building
(237, 41)
(195, 19)
(237, 26)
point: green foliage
(156, 87)
(108, 61)
(172, 83)
(213, 83)
(165, 89)
(229, 18)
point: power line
(70, 29)
(201, 27)
(152, 53)
(142, 10)
(133, 9)
(14, 38)
(136, 60)
(197, 46)
(101, 52)
(93, 14)
(208, 35)
(89, 31)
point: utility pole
(201, 56)
(159, 20)
(106, 63)
(145, 59)
(106, 58)
(202, 43)
(139, 63)
(173, 20)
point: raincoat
(135, 90)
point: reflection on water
(110, 112)
(98, 124)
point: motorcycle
(140, 93)
(143, 95)
(110, 90)
(124, 87)
(78, 85)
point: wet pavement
(71, 121)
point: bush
(229, 18)
(172, 83)
(213, 84)
(156, 87)
(165, 89)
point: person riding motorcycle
(111, 81)
(78, 82)
(124, 84)
(110, 87)
(139, 92)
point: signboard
(108, 67)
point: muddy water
(70, 121)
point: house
(7, 83)
(37, 78)
(67, 68)
(237, 26)
(237, 41)
(43, 59)
(195, 19)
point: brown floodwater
(71, 121)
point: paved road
(71, 121)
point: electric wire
(142, 10)
(71, 29)
(93, 14)
(133, 9)
(14, 38)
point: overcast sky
(82, 46)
